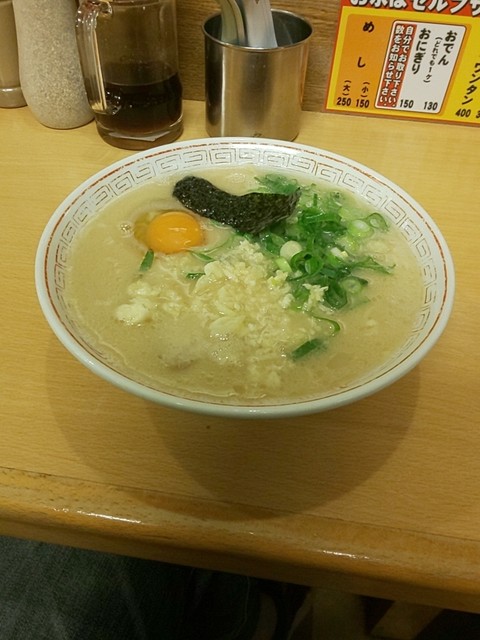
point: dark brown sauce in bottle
(143, 109)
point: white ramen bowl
(398, 207)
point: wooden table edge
(209, 534)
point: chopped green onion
(299, 259)
(332, 326)
(194, 275)
(300, 297)
(348, 244)
(339, 253)
(347, 214)
(359, 228)
(290, 249)
(306, 348)
(209, 253)
(147, 261)
(278, 184)
(336, 296)
(371, 263)
(271, 242)
(353, 284)
(311, 265)
(204, 257)
(283, 265)
(323, 242)
(377, 221)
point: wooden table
(380, 498)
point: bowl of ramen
(244, 277)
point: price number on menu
(428, 106)
(465, 114)
(359, 103)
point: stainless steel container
(256, 92)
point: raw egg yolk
(172, 232)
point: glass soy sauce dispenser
(129, 59)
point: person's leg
(50, 592)
(223, 606)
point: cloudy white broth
(243, 318)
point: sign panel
(409, 59)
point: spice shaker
(49, 65)
(10, 91)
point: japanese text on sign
(397, 58)
(419, 65)
(469, 7)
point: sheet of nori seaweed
(249, 213)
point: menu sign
(408, 59)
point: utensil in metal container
(258, 20)
(233, 28)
